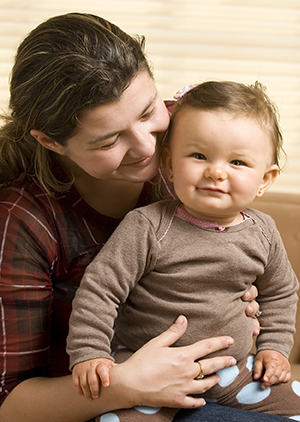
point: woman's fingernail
(180, 320)
(230, 341)
(232, 362)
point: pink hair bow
(179, 94)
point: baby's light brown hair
(240, 100)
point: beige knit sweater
(157, 266)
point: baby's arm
(271, 367)
(88, 374)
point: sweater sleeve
(277, 289)
(107, 281)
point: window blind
(193, 41)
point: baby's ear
(167, 162)
(268, 179)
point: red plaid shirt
(46, 243)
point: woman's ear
(268, 179)
(47, 142)
(167, 162)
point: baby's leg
(238, 389)
(138, 413)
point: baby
(197, 254)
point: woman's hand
(252, 308)
(156, 375)
(159, 375)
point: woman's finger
(169, 337)
(190, 402)
(198, 349)
(252, 308)
(212, 365)
(205, 347)
(256, 327)
(201, 386)
(251, 294)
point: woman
(77, 153)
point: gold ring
(201, 373)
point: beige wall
(192, 41)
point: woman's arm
(28, 252)
(156, 375)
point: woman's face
(119, 141)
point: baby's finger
(94, 384)
(271, 376)
(258, 369)
(77, 386)
(85, 388)
(285, 376)
(103, 372)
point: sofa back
(284, 208)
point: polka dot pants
(236, 389)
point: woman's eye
(112, 144)
(199, 156)
(148, 115)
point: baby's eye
(238, 163)
(198, 156)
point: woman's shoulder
(26, 194)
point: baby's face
(219, 162)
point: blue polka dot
(228, 375)
(252, 393)
(120, 346)
(295, 418)
(250, 363)
(109, 417)
(147, 410)
(296, 388)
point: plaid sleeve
(27, 255)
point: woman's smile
(140, 163)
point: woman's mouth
(140, 163)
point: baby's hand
(87, 375)
(272, 367)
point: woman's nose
(215, 172)
(142, 144)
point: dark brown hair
(64, 67)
